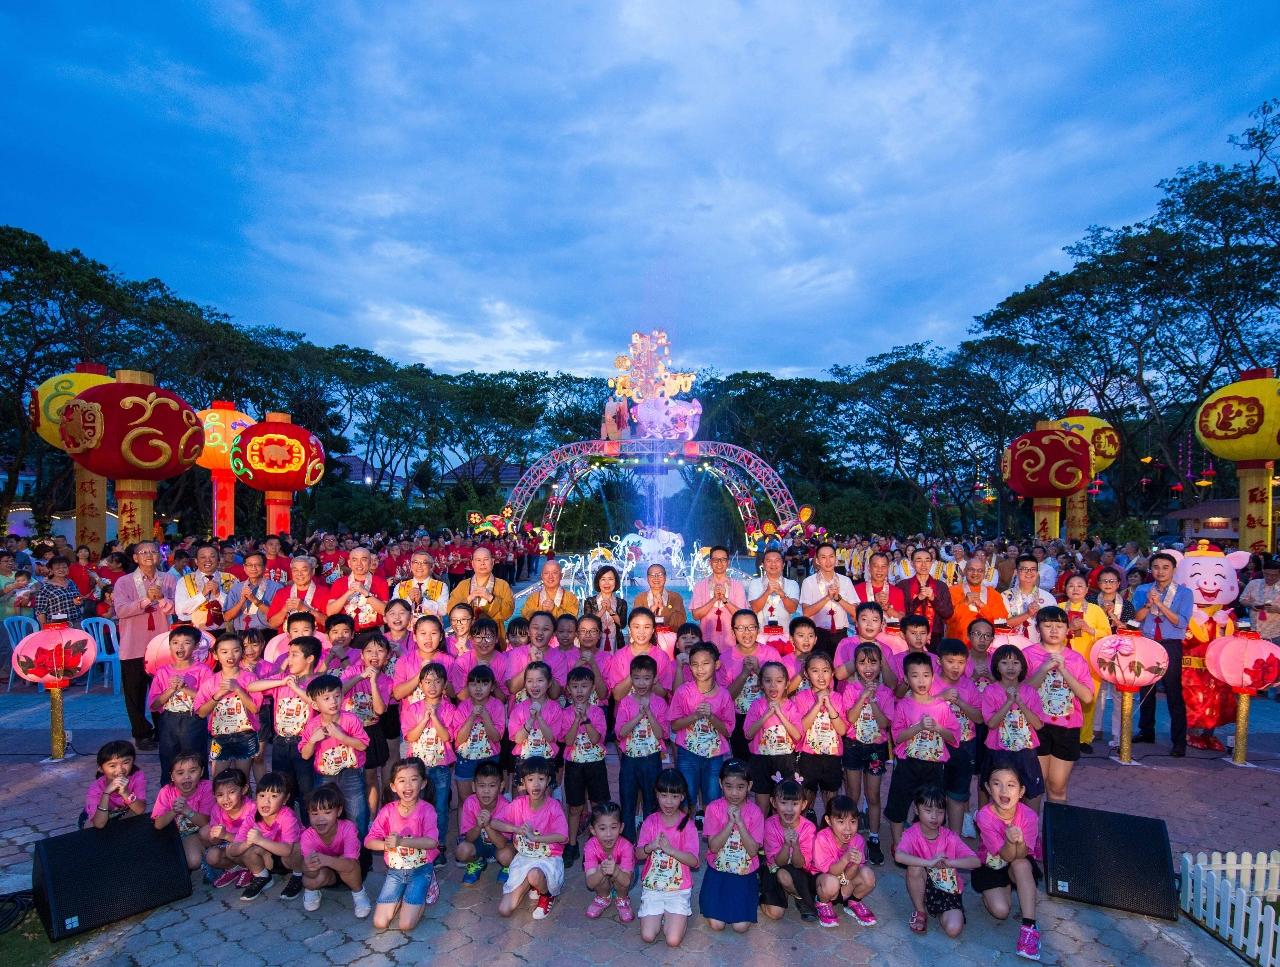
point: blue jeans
(637, 775)
(355, 803)
(179, 732)
(440, 778)
(286, 758)
(701, 774)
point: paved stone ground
(1207, 804)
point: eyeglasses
(745, 628)
(487, 636)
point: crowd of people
(350, 696)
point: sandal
(919, 922)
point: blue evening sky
(780, 185)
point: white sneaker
(361, 902)
(311, 900)
(967, 829)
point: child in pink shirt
(702, 718)
(869, 712)
(641, 723)
(186, 800)
(585, 774)
(1011, 709)
(618, 674)
(479, 842)
(428, 728)
(1062, 678)
(537, 826)
(788, 854)
(668, 843)
(739, 672)
(932, 853)
(330, 848)
(843, 877)
(367, 694)
(118, 789)
(231, 807)
(405, 832)
(804, 635)
(915, 631)
(923, 727)
(428, 646)
(822, 719)
(1009, 850)
(284, 692)
(172, 700)
(953, 686)
(734, 827)
(481, 654)
(335, 742)
(231, 710)
(773, 733)
(266, 841)
(477, 734)
(609, 862)
(537, 723)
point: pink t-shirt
(772, 739)
(410, 666)
(346, 841)
(579, 746)
(864, 727)
(845, 651)
(717, 624)
(231, 824)
(795, 669)
(290, 710)
(200, 800)
(967, 693)
(1058, 704)
(474, 741)
(622, 853)
(643, 740)
(184, 699)
(775, 836)
(896, 662)
(926, 746)
(283, 828)
(232, 714)
(947, 843)
(359, 700)
(331, 756)
(137, 787)
(539, 741)
(467, 816)
(419, 824)
(731, 662)
(700, 738)
(827, 850)
(1015, 733)
(733, 858)
(618, 668)
(434, 746)
(459, 670)
(548, 820)
(991, 832)
(663, 872)
(518, 659)
(821, 737)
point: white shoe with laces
(311, 900)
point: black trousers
(134, 682)
(1173, 692)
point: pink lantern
(54, 655)
(158, 654)
(1244, 661)
(278, 647)
(1128, 661)
(1007, 636)
(891, 644)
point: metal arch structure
(737, 467)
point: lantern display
(1104, 444)
(1004, 635)
(1047, 464)
(277, 457)
(52, 657)
(47, 402)
(1130, 662)
(158, 654)
(1248, 664)
(1241, 422)
(135, 433)
(222, 422)
(278, 646)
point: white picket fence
(1228, 894)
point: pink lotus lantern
(1007, 636)
(1248, 664)
(1130, 662)
(278, 647)
(158, 654)
(52, 657)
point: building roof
(481, 468)
(358, 471)
(1228, 508)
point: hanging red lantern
(277, 457)
(1177, 487)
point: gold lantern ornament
(1104, 443)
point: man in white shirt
(829, 599)
(424, 594)
(1025, 598)
(771, 596)
(203, 596)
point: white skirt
(552, 868)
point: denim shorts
(237, 745)
(465, 769)
(411, 886)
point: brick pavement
(1207, 804)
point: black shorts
(266, 716)
(1026, 763)
(957, 776)
(937, 902)
(585, 780)
(765, 767)
(390, 721)
(820, 771)
(869, 758)
(739, 747)
(909, 775)
(771, 892)
(377, 754)
(984, 878)
(506, 756)
(1060, 742)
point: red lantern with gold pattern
(277, 457)
(1046, 464)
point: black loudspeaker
(93, 877)
(1109, 859)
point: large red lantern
(135, 433)
(277, 457)
(1047, 464)
(222, 422)
(1248, 663)
(1131, 662)
(52, 657)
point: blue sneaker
(503, 874)
(474, 871)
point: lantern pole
(1126, 729)
(279, 503)
(135, 499)
(1048, 517)
(1240, 752)
(91, 491)
(1254, 477)
(57, 735)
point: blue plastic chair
(107, 640)
(17, 627)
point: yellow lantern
(222, 422)
(1241, 422)
(1104, 445)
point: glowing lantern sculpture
(47, 401)
(1241, 422)
(1248, 664)
(134, 433)
(222, 422)
(277, 457)
(1130, 662)
(52, 657)
(1104, 443)
(1046, 464)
